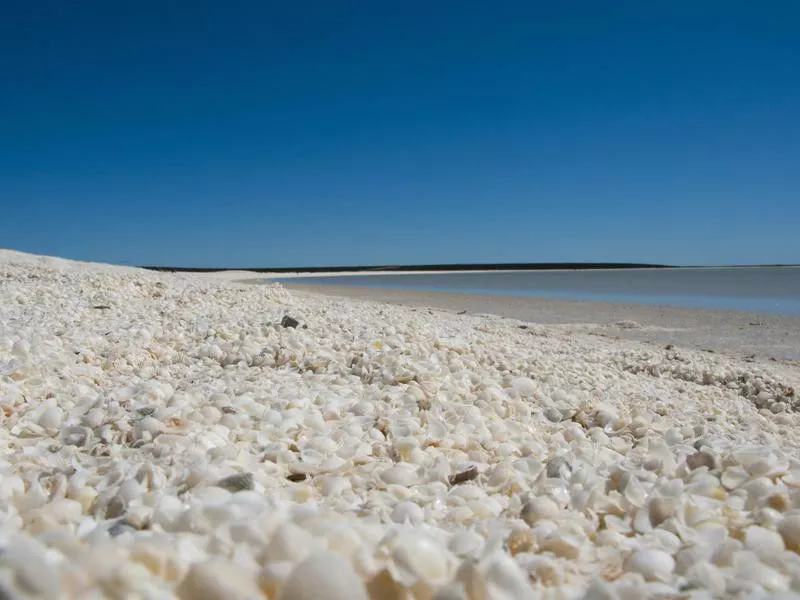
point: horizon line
(526, 266)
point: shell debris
(180, 436)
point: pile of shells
(167, 436)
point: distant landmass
(456, 267)
(413, 268)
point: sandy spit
(754, 337)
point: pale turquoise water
(773, 290)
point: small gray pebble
(75, 436)
(116, 507)
(557, 467)
(288, 321)
(237, 483)
(552, 414)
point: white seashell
(65, 510)
(452, 591)
(86, 526)
(600, 590)
(673, 436)
(365, 563)
(529, 467)
(288, 543)
(332, 485)
(792, 478)
(666, 540)
(544, 571)
(641, 521)
(147, 425)
(407, 512)
(749, 568)
(536, 509)
(763, 542)
(218, 580)
(273, 575)
(608, 504)
(653, 565)
(11, 485)
(247, 532)
(28, 561)
(767, 517)
(415, 558)
(751, 456)
(404, 474)
(130, 490)
(194, 520)
(610, 538)
(733, 477)
(634, 492)
(691, 555)
(524, 386)
(789, 529)
(704, 575)
(757, 489)
(159, 561)
(51, 417)
(465, 544)
(660, 450)
(496, 577)
(499, 475)
(323, 575)
(34, 498)
(167, 511)
(405, 446)
(519, 541)
(724, 553)
(565, 546)
(211, 495)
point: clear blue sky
(331, 133)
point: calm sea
(774, 290)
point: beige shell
(323, 575)
(495, 577)
(415, 558)
(661, 509)
(789, 529)
(654, 565)
(536, 509)
(218, 580)
(763, 542)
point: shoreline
(256, 276)
(754, 336)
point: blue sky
(334, 133)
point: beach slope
(169, 435)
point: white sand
(260, 277)
(164, 436)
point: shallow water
(772, 290)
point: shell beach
(176, 436)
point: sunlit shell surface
(187, 436)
